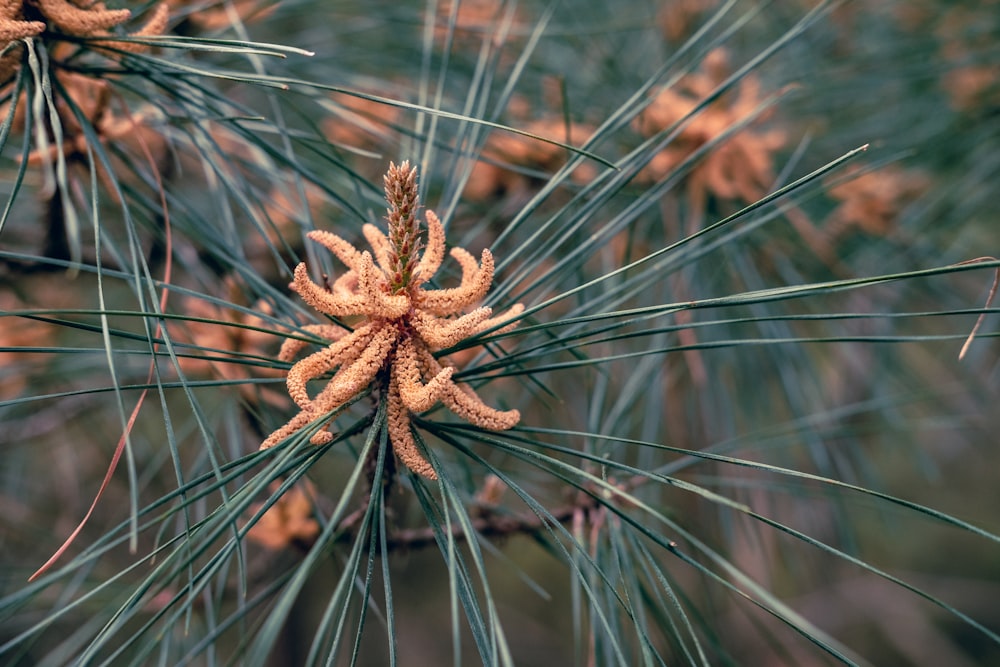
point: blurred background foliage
(749, 448)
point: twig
(490, 524)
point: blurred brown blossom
(358, 122)
(475, 20)
(741, 167)
(678, 19)
(973, 80)
(17, 332)
(506, 156)
(288, 520)
(230, 350)
(871, 202)
(92, 98)
(211, 16)
(286, 213)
